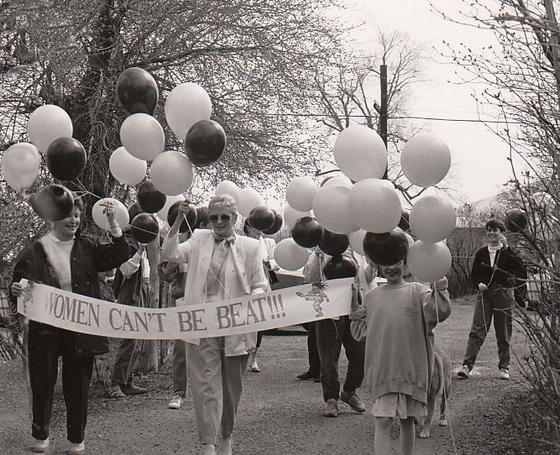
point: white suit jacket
(244, 275)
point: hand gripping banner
(250, 313)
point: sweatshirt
(399, 349)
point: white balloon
(374, 206)
(249, 198)
(126, 168)
(330, 208)
(142, 136)
(121, 215)
(168, 203)
(340, 180)
(429, 262)
(432, 218)
(186, 104)
(47, 123)
(360, 153)
(425, 159)
(357, 241)
(300, 193)
(21, 164)
(227, 187)
(289, 255)
(171, 173)
(291, 215)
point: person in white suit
(221, 266)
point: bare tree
(350, 95)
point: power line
(401, 117)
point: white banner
(250, 313)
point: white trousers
(216, 387)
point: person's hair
(494, 223)
(246, 226)
(224, 199)
(78, 201)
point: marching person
(64, 260)
(267, 246)
(396, 322)
(331, 335)
(221, 266)
(176, 275)
(131, 287)
(496, 272)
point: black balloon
(191, 216)
(276, 225)
(334, 244)
(137, 91)
(201, 217)
(66, 158)
(144, 228)
(387, 248)
(404, 223)
(307, 232)
(261, 217)
(53, 203)
(149, 198)
(205, 142)
(134, 210)
(516, 220)
(340, 267)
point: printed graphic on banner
(250, 313)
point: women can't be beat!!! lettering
(250, 313)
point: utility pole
(383, 115)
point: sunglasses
(214, 218)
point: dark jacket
(508, 270)
(126, 289)
(87, 259)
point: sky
(479, 158)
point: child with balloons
(396, 321)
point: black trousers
(331, 336)
(44, 345)
(314, 361)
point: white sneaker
(504, 373)
(76, 448)
(464, 372)
(40, 445)
(176, 402)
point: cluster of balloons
(250, 205)
(50, 133)
(364, 211)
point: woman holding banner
(66, 261)
(222, 266)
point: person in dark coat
(131, 286)
(66, 261)
(499, 274)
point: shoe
(176, 402)
(331, 408)
(353, 400)
(464, 372)
(208, 449)
(132, 389)
(254, 368)
(504, 373)
(225, 446)
(76, 448)
(306, 376)
(116, 392)
(40, 445)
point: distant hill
(485, 204)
